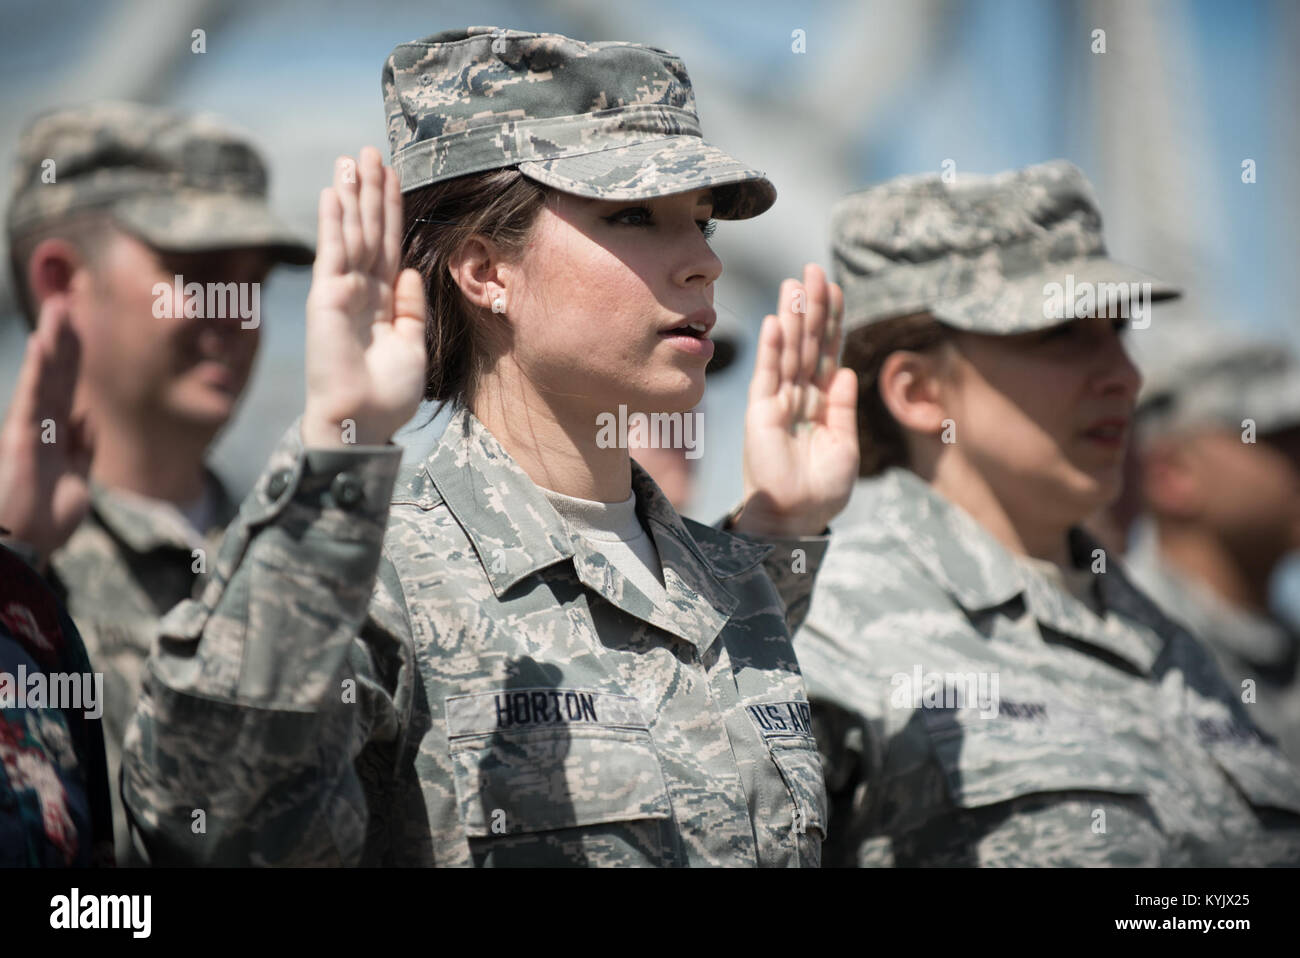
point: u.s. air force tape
(484, 712)
(782, 719)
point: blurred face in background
(1043, 417)
(1246, 495)
(141, 368)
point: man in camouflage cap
(149, 232)
(986, 688)
(522, 701)
(1219, 468)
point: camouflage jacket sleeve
(792, 565)
(849, 727)
(260, 694)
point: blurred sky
(1160, 122)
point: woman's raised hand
(801, 439)
(365, 322)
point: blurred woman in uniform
(530, 659)
(987, 685)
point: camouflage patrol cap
(602, 120)
(978, 253)
(1208, 378)
(181, 183)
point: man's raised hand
(44, 452)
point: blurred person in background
(54, 786)
(673, 471)
(116, 208)
(988, 687)
(1219, 474)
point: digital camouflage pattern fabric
(54, 805)
(976, 253)
(457, 681)
(607, 120)
(1108, 739)
(128, 563)
(1248, 647)
(181, 183)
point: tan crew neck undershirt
(615, 530)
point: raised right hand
(45, 453)
(365, 322)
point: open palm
(45, 452)
(801, 441)
(365, 321)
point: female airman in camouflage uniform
(988, 686)
(483, 673)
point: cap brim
(195, 221)
(1032, 302)
(659, 167)
(1224, 386)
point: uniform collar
(955, 550)
(517, 532)
(968, 563)
(144, 525)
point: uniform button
(278, 482)
(346, 490)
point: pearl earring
(499, 305)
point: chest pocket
(786, 729)
(801, 768)
(1262, 774)
(1027, 749)
(558, 776)
(1268, 783)
(1034, 784)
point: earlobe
(909, 390)
(480, 275)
